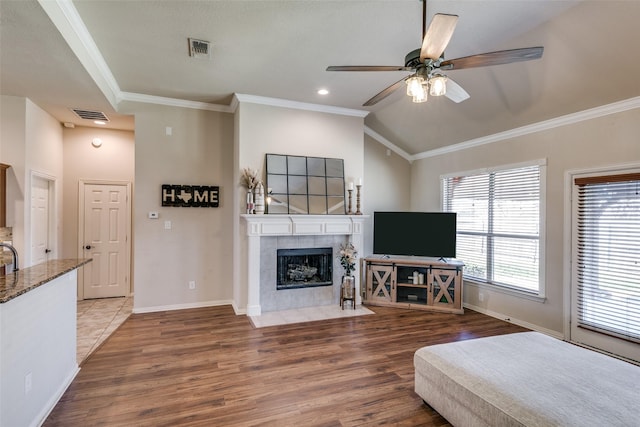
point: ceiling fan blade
(437, 36)
(493, 58)
(384, 93)
(368, 68)
(455, 92)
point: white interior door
(104, 238)
(40, 219)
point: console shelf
(414, 282)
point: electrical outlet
(28, 383)
(192, 284)
(481, 296)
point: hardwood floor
(209, 367)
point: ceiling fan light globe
(420, 97)
(438, 86)
(415, 85)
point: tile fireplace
(267, 234)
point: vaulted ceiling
(281, 48)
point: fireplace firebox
(304, 268)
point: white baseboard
(51, 403)
(171, 307)
(518, 322)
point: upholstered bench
(527, 379)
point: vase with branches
(249, 179)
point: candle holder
(350, 212)
(358, 200)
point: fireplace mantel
(303, 225)
(258, 226)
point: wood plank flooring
(209, 367)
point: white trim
(592, 113)
(390, 145)
(568, 237)
(53, 238)
(540, 295)
(285, 103)
(185, 306)
(67, 20)
(537, 162)
(173, 102)
(513, 320)
(51, 403)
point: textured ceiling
(280, 49)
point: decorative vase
(249, 201)
(258, 199)
(348, 288)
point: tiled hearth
(267, 233)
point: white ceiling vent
(199, 48)
(90, 115)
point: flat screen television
(429, 234)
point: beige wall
(31, 144)
(113, 161)
(198, 246)
(606, 141)
(262, 129)
(388, 178)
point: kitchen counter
(24, 280)
(38, 339)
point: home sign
(190, 196)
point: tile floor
(97, 319)
(308, 314)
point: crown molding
(592, 113)
(173, 102)
(285, 103)
(390, 145)
(66, 19)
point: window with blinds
(608, 254)
(498, 225)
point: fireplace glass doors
(303, 268)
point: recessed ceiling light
(323, 92)
(100, 122)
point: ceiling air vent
(90, 115)
(199, 48)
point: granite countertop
(24, 280)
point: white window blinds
(498, 225)
(608, 255)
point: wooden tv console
(414, 282)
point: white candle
(359, 181)
(351, 185)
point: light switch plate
(153, 215)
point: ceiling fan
(427, 63)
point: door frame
(52, 217)
(569, 238)
(81, 239)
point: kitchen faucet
(14, 252)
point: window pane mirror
(305, 185)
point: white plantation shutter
(608, 255)
(498, 225)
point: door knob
(46, 251)
(88, 247)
